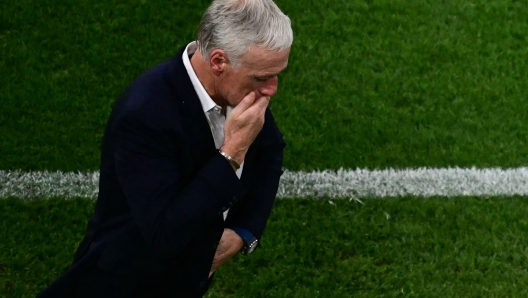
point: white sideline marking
(353, 184)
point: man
(187, 141)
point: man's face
(258, 71)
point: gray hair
(236, 25)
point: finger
(264, 102)
(244, 104)
(260, 105)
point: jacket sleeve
(168, 208)
(253, 212)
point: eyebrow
(268, 75)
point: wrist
(237, 242)
(236, 154)
(250, 242)
(234, 164)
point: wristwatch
(250, 241)
(249, 247)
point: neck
(206, 77)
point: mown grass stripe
(360, 183)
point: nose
(269, 88)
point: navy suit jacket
(162, 192)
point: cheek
(243, 88)
(237, 89)
(251, 86)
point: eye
(260, 79)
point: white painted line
(449, 182)
(29, 185)
(354, 184)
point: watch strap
(250, 241)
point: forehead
(262, 60)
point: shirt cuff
(246, 235)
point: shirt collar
(205, 99)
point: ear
(218, 61)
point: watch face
(252, 246)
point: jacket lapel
(198, 133)
(199, 138)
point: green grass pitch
(465, 247)
(371, 84)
